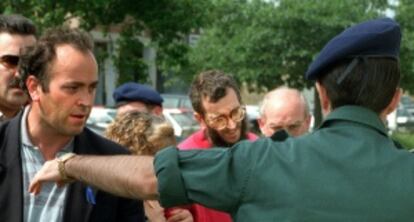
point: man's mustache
(16, 82)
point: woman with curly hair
(145, 134)
(142, 133)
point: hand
(180, 215)
(48, 173)
(154, 211)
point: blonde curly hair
(142, 133)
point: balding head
(284, 108)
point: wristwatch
(61, 166)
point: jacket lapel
(77, 208)
(11, 182)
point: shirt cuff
(170, 183)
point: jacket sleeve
(216, 178)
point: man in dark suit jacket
(16, 32)
(77, 208)
(60, 76)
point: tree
(165, 23)
(272, 43)
(405, 16)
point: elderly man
(137, 97)
(348, 169)
(284, 109)
(16, 33)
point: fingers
(49, 172)
(35, 186)
(180, 215)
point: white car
(182, 121)
(179, 101)
(100, 118)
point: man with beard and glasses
(218, 108)
(60, 74)
(16, 32)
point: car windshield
(101, 116)
(184, 119)
(171, 102)
(176, 101)
(100, 119)
(187, 104)
(401, 111)
(112, 113)
(406, 100)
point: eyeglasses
(220, 122)
(10, 61)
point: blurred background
(262, 43)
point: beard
(16, 82)
(217, 140)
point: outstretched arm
(122, 175)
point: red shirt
(198, 140)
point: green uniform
(348, 170)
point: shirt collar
(24, 134)
(356, 114)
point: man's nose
(86, 99)
(16, 72)
(231, 124)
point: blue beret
(376, 38)
(131, 91)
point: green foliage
(272, 43)
(405, 16)
(166, 23)
(129, 60)
(43, 13)
(263, 43)
(405, 139)
(163, 22)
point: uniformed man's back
(327, 176)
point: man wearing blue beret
(132, 96)
(347, 170)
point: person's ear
(323, 98)
(393, 105)
(200, 119)
(260, 122)
(157, 111)
(33, 87)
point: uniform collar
(356, 114)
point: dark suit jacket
(77, 208)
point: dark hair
(17, 24)
(371, 84)
(211, 84)
(36, 60)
